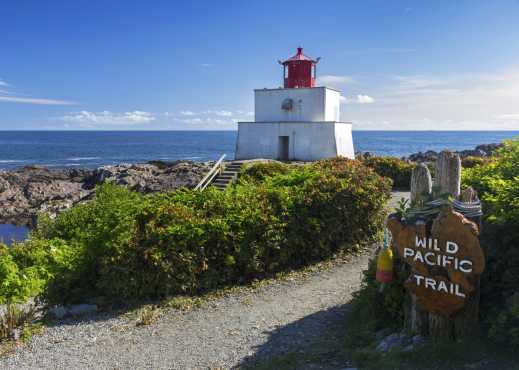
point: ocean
(97, 148)
(92, 149)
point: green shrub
(396, 169)
(469, 162)
(261, 170)
(497, 183)
(124, 245)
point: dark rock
(484, 150)
(31, 190)
(489, 149)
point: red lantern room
(299, 71)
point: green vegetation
(396, 169)
(127, 246)
(469, 162)
(497, 182)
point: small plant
(13, 320)
(402, 207)
(148, 315)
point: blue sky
(152, 65)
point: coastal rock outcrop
(484, 150)
(26, 192)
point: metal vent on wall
(287, 104)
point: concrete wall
(332, 105)
(308, 141)
(309, 104)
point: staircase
(228, 176)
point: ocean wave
(77, 159)
(12, 161)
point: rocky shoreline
(480, 151)
(31, 190)
(28, 191)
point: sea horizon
(96, 148)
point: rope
(432, 208)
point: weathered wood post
(448, 173)
(421, 183)
(441, 251)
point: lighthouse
(300, 121)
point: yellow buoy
(385, 266)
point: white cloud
(206, 65)
(334, 80)
(223, 113)
(509, 116)
(37, 101)
(485, 101)
(220, 113)
(210, 118)
(108, 118)
(359, 99)
(365, 99)
(8, 96)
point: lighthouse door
(283, 148)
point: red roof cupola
(299, 71)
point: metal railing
(215, 170)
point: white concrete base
(303, 141)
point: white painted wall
(309, 104)
(308, 141)
(332, 105)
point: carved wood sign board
(445, 263)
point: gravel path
(272, 319)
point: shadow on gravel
(314, 337)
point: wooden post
(448, 173)
(442, 297)
(421, 183)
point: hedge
(124, 245)
(396, 169)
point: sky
(193, 65)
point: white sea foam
(77, 159)
(12, 161)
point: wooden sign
(445, 262)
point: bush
(261, 170)
(396, 169)
(469, 162)
(497, 183)
(124, 245)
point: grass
(17, 325)
(14, 318)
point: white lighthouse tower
(297, 122)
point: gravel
(278, 317)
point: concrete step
(221, 181)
